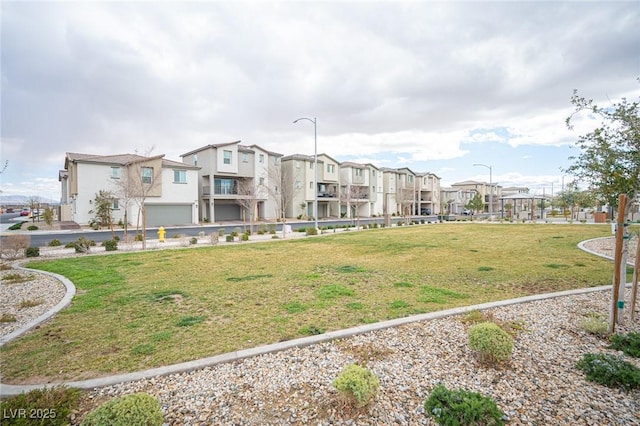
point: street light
(315, 166)
(490, 189)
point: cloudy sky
(431, 86)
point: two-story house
(168, 190)
(428, 187)
(490, 193)
(234, 180)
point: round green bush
(32, 252)
(491, 342)
(32, 228)
(110, 245)
(138, 409)
(358, 385)
(54, 243)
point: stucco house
(168, 190)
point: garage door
(226, 212)
(168, 214)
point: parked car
(25, 211)
(467, 212)
(425, 211)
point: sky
(433, 86)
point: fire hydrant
(161, 233)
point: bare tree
(355, 196)
(141, 179)
(405, 197)
(282, 190)
(34, 205)
(248, 200)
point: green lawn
(140, 310)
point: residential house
(428, 187)
(487, 191)
(166, 189)
(360, 190)
(299, 185)
(454, 200)
(328, 186)
(234, 180)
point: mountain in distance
(23, 200)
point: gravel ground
(539, 386)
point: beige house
(360, 190)
(166, 189)
(487, 191)
(428, 188)
(234, 181)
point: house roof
(210, 146)
(121, 160)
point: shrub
(5, 317)
(245, 237)
(311, 330)
(628, 343)
(138, 237)
(229, 238)
(83, 245)
(221, 232)
(595, 324)
(16, 226)
(32, 251)
(32, 228)
(110, 245)
(358, 385)
(312, 231)
(135, 409)
(70, 245)
(53, 405)
(492, 343)
(54, 243)
(461, 407)
(610, 370)
(193, 240)
(14, 246)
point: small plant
(491, 342)
(5, 317)
(595, 324)
(32, 228)
(628, 343)
(357, 385)
(135, 409)
(311, 330)
(53, 405)
(13, 246)
(16, 226)
(110, 245)
(245, 237)
(54, 243)
(29, 303)
(221, 232)
(83, 245)
(461, 407)
(194, 240)
(32, 252)
(312, 231)
(138, 237)
(610, 370)
(229, 238)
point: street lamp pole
(490, 188)
(315, 166)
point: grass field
(140, 310)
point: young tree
(405, 197)
(609, 159)
(248, 200)
(103, 202)
(475, 204)
(34, 205)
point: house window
(114, 204)
(298, 184)
(147, 174)
(373, 173)
(195, 160)
(261, 158)
(226, 155)
(224, 186)
(297, 164)
(179, 176)
(262, 181)
(275, 160)
(409, 178)
(358, 172)
(311, 166)
(245, 157)
(115, 173)
(331, 168)
(311, 185)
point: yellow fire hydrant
(161, 233)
